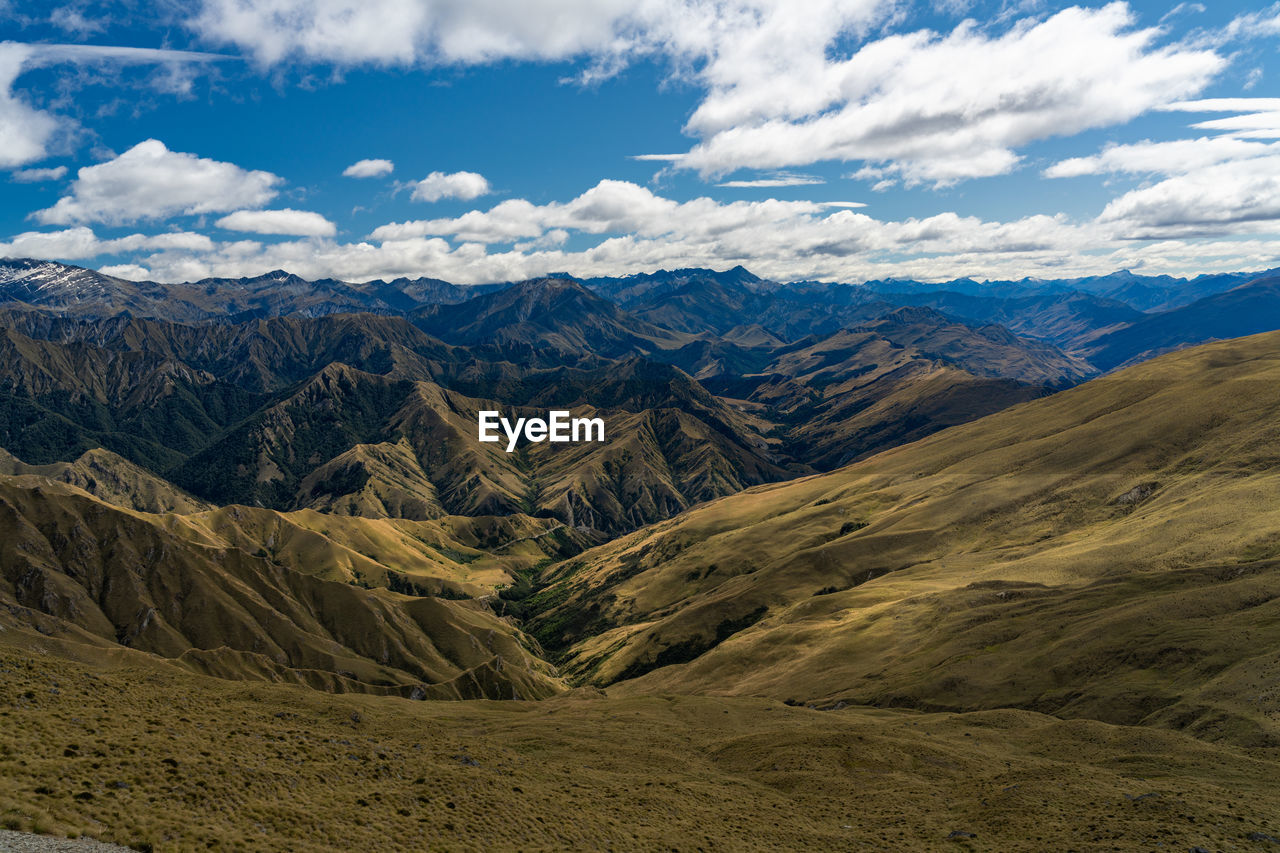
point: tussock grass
(143, 754)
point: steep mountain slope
(365, 443)
(383, 480)
(1245, 310)
(59, 400)
(60, 287)
(1069, 321)
(73, 566)
(406, 294)
(631, 289)
(1162, 293)
(258, 355)
(1111, 551)
(738, 306)
(553, 314)
(910, 373)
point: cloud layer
(786, 83)
(630, 228)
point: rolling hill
(1111, 551)
(97, 574)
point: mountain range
(1033, 522)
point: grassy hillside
(110, 478)
(334, 603)
(1109, 551)
(132, 751)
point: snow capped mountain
(53, 285)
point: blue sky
(832, 139)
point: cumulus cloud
(151, 182)
(1227, 197)
(462, 185)
(1228, 183)
(369, 169)
(132, 272)
(785, 83)
(629, 228)
(938, 109)
(610, 207)
(81, 242)
(297, 223)
(34, 176)
(405, 32)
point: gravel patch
(22, 842)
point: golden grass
(142, 754)
(1103, 552)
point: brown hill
(1109, 551)
(416, 450)
(110, 478)
(189, 588)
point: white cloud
(73, 20)
(1260, 24)
(151, 182)
(612, 207)
(629, 228)
(1223, 105)
(786, 83)
(33, 176)
(841, 246)
(942, 108)
(25, 132)
(438, 185)
(1234, 197)
(1227, 184)
(131, 272)
(405, 32)
(1168, 158)
(40, 55)
(778, 179)
(80, 242)
(369, 169)
(298, 223)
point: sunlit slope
(152, 757)
(1108, 551)
(111, 478)
(249, 593)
